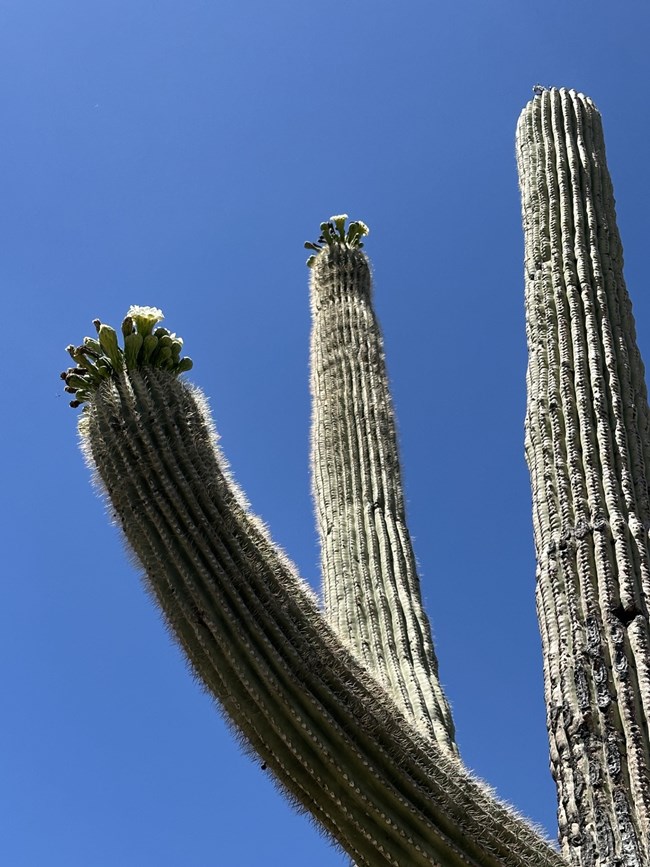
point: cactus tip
(333, 232)
(101, 359)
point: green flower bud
(91, 345)
(339, 222)
(132, 346)
(149, 346)
(162, 355)
(90, 368)
(326, 229)
(184, 364)
(73, 351)
(104, 367)
(75, 381)
(128, 326)
(108, 340)
(356, 231)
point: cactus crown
(333, 232)
(99, 358)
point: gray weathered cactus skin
(588, 449)
(371, 588)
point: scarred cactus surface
(588, 449)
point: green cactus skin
(333, 738)
(371, 588)
(588, 450)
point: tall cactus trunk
(588, 450)
(371, 587)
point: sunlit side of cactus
(371, 587)
(588, 449)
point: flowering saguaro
(346, 709)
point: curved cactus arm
(588, 450)
(371, 587)
(332, 737)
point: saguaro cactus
(588, 449)
(327, 729)
(346, 710)
(371, 588)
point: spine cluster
(588, 450)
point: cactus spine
(588, 450)
(371, 588)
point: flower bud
(108, 340)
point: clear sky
(178, 154)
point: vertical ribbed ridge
(371, 587)
(588, 451)
(255, 637)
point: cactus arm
(588, 450)
(371, 587)
(253, 633)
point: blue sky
(178, 154)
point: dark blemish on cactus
(626, 615)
